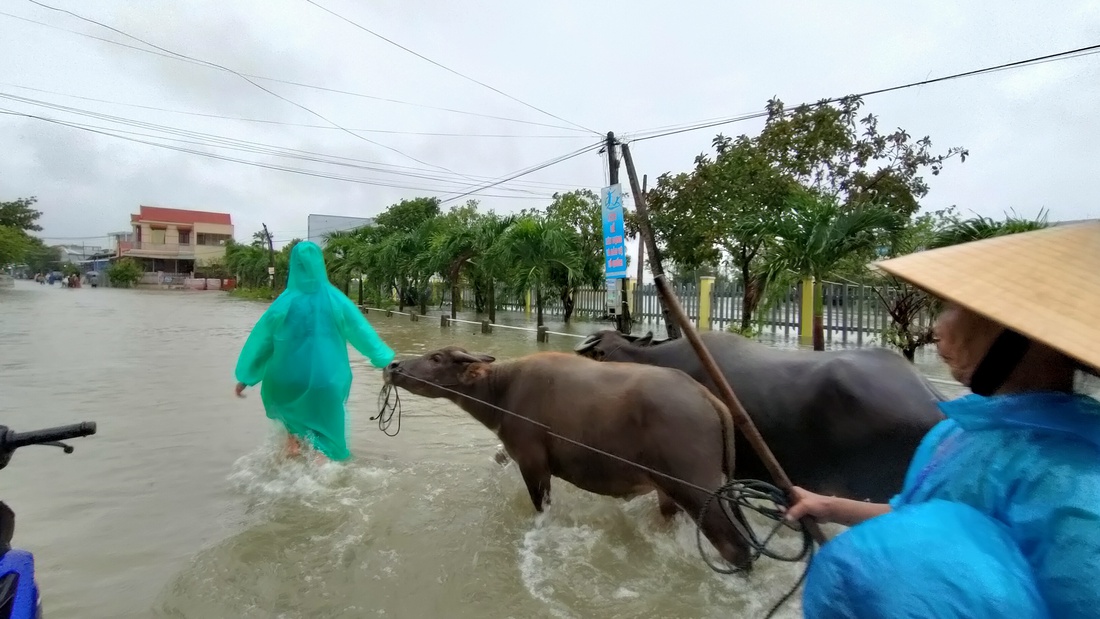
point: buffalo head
(436, 374)
(608, 345)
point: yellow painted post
(630, 296)
(806, 325)
(527, 304)
(706, 285)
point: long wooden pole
(740, 416)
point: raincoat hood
(307, 268)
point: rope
(389, 406)
(739, 493)
(735, 497)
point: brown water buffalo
(656, 417)
(840, 422)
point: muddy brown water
(178, 507)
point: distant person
(298, 349)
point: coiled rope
(735, 497)
(389, 407)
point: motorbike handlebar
(10, 441)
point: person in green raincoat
(298, 350)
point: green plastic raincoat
(298, 349)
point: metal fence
(852, 312)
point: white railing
(167, 249)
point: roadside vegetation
(819, 193)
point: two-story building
(175, 241)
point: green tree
(957, 230)
(39, 257)
(454, 244)
(912, 311)
(125, 273)
(724, 210)
(404, 257)
(17, 219)
(20, 215)
(828, 147)
(408, 215)
(580, 213)
(816, 235)
(487, 266)
(533, 247)
(248, 263)
(14, 245)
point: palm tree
(532, 247)
(337, 252)
(817, 235)
(966, 230)
(454, 245)
(248, 263)
(486, 265)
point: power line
(291, 82)
(300, 171)
(526, 171)
(289, 124)
(224, 68)
(1074, 53)
(207, 139)
(446, 68)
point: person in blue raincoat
(299, 351)
(1023, 450)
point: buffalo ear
(473, 373)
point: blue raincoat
(1030, 462)
(933, 560)
(299, 350)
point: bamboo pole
(672, 305)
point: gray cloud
(611, 65)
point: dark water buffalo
(652, 416)
(840, 422)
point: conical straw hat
(1043, 284)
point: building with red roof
(172, 240)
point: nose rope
(734, 498)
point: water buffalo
(652, 416)
(840, 422)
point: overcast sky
(609, 65)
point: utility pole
(641, 252)
(622, 319)
(270, 258)
(671, 326)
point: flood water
(178, 507)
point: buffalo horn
(588, 344)
(466, 357)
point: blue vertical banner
(614, 244)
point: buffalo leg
(715, 525)
(536, 474)
(502, 458)
(667, 505)
(538, 486)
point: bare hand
(805, 503)
(239, 390)
(847, 512)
